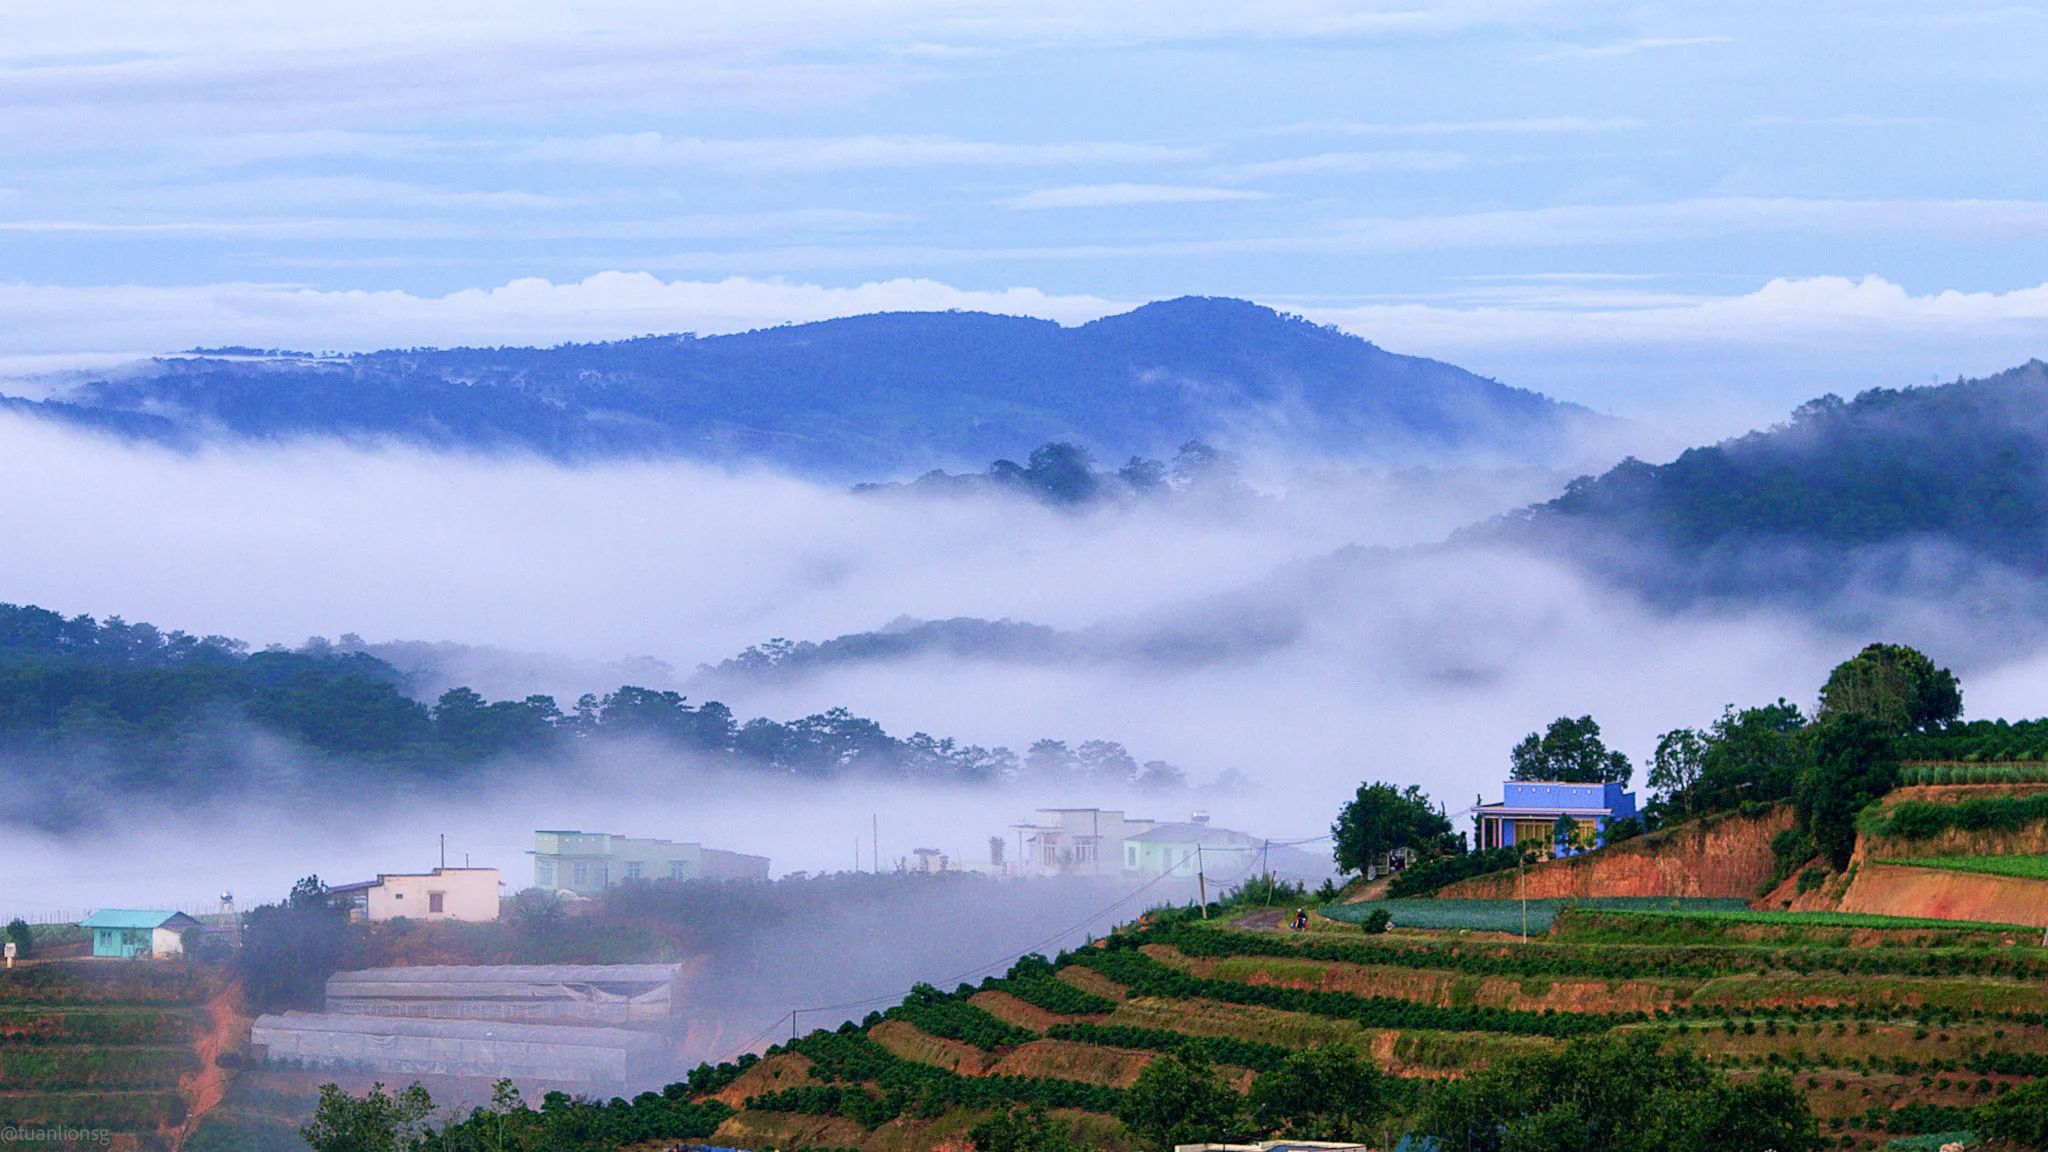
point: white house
(1075, 841)
(444, 894)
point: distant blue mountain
(873, 395)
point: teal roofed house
(124, 933)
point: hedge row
(564, 1124)
(1925, 819)
(95, 1027)
(1053, 995)
(1564, 960)
(1142, 974)
(57, 1069)
(119, 1111)
(849, 1062)
(951, 1017)
(1214, 1049)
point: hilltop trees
(1895, 686)
(1852, 766)
(1382, 819)
(1569, 751)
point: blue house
(123, 933)
(1530, 809)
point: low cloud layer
(1416, 666)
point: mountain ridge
(868, 396)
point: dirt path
(203, 1090)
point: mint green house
(125, 933)
(1183, 849)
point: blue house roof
(130, 918)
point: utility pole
(444, 849)
(875, 842)
(1522, 877)
(1266, 866)
(1201, 882)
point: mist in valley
(1278, 650)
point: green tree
(1382, 818)
(1569, 751)
(2020, 1117)
(1853, 765)
(19, 935)
(1755, 754)
(1897, 686)
(375, 1122)
(1023, 1130)
(1325, 1093)
(1179, 1099)
(1676, 766)
(290, 949)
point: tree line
(171, 704)
(1885, 701)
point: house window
(632, 869)
(677, 870)
(398, 895)
(434, 901)
(582, 875)
(544, 873)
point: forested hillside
(1803, 508)
(89, 710)
(868, 396)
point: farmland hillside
(1880, 1028)
(1727, 855)
(112, 1045)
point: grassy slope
(2025, 867)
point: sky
(1694, 215)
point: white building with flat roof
(469, 894)
(587, 863)
(1075, 841)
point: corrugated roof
(130, 918)
(513, 973)
(581, 1037)
(1203, 834)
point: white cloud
(1350, 162)
(37, 319)
(828, 154)
(1642, 44)
(1111, 195)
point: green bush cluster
(1430, 875)
(82, 1066)
(1926, 819)
(1215, 1049)
(1974, 774)
(1979, 741)
(1032, 980)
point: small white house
(444, 894)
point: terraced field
(100, 1045)
(1888, 1029)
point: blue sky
(1695, 214)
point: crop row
(83, 1066)
(141, 982)
(1974, 773)
(121, 1111)
(950, 1016)
(92, 1026)
(1147, 976)
(1056, 996)
(1925, 819)
(1213, 1049)
(2025, 867)
(848, 1062)
(1565, 960)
